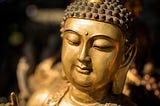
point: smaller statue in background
(12, 102)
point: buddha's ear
(62, 30)
(120, 76)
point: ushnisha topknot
(108, 11)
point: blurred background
(30, 29)
(27, 28)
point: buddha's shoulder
(45, 75)
(49, 95)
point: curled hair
(108, 11)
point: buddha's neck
(78, 96)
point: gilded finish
(91, 62)
(12, 102)
(89, 54)
(96, 56)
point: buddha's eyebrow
(72, 31)
(103, 37)
(94, 37)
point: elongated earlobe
(129, 55)
(120, 76)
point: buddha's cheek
(69, 54)
(104, 66)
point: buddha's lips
(83, 69)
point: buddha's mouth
(83, 69)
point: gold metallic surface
(95, 60)
(94, 0)
(13, 100)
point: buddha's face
(91, 53)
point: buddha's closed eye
(72, 38)
(103, 45)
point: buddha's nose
(84, 55)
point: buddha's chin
(81, 81)
(82, 87)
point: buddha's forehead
(93, 28)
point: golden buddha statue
(98, 48)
